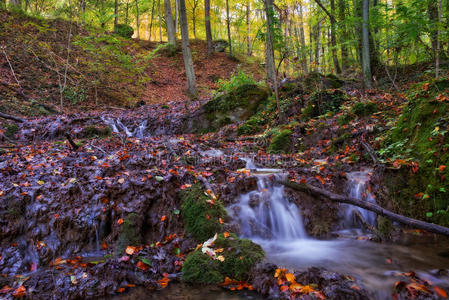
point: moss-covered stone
(315, 80)
(201, 219)
(364, 109)
(94, 131)
(11, 130)
(322, 102)
(280, 141)
(124, 30)
(130, 234)
(421, 135)
(240, 256)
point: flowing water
(266, 216)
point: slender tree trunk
(271, 68)
(249, 51)
(437, 56)
(137, 19)
(127, 12)
(187, 54)
(152, 17)
(176, 16)
(334, 40)
(169, 22)
(366, 67)
(358, 28)
(302, 39)
(318, 47)
(432, 11)
(343, 35)
(210, 48)
(160, 20)
(115, 13)
(228, 23)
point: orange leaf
(130, 250)
(143, 266)
(295, 286)
(226, 234)
(442, 293)
(163, 218)
(442, 168)
(121, 290)
(163, 282)
(284, 288)
(20, 292)
(290, 277)
(120, 221)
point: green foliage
(280, 141)
(235, 82)
(322, 102)
(364, 109)
(240, 257)
(124, 30)
(11, 130)
(94, 131)
(75, 95)
(201, 219)
(166, 49)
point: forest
(218, 149)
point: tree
(228, 23)
(438, 50)
(194, 7)
(115, 13)
(137, 19)
(169, 22)
(248, 29)
(343, 34)
(186, 53)
(208, 27)
(366, 62)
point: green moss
(364, 109)
(240, 257)
(200, 268)
(421, 136)
(384, 227)
(280, 141)
(201, 219)
(315, 80)
(345, 119)
(94, 131)
(130, 234)
(11, 130)
(322, 102)
(124, 30)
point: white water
(117, 126)
(358, 188)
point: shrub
(124, 30)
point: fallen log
(303, 187)
(9, 117)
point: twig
(9, 117)
(10, 66)
(370, 151)
(72, 143)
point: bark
(176, 16)
(160, 19)
(187, 54)
(369, 206)
(195, 5)
(438, 50)
(127, 12)
(115, 13)
(210, 48)
(302, 39)
(366, 61)
(152, 17)
(318, 47)
(334, 40)
(271, 68)
(137, 19)
(432, 11)
(343, 35)
(248, 30)
(228, 24)
(170, 25)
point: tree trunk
(210, 48)
(127, 11)
(303, 40)
(343, 35)
(115, 13)
(306, 188)
(176, 16)
(438, 50)
(169, 22)
(228, 23)
(16, 4)
(249, 51)
(152, 17)
(270, 64)
(137, 19)
(318, 47)
(432, 11)
(160, 20)
(187, 54)
(366, 66)
(334, 40)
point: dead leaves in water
(287, 284)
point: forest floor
(92, 200)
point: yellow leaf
(295, 286)
(40, 182)
(221, 258)
(290, 277)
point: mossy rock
(421, 135)
(124, 30)
(130, 234)
(96, 131)
(11, 130)
(280, 141)
(322, 102)
(315, 80)
(201, 219)
(234, 106)
(364, 109)
(240, 257)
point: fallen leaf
(120, 221)
(143, 266)
(442, 293)
(20, 292)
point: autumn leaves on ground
(107, 194)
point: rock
(220, 45)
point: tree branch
(325, 10)
(369, 206)
(9, 117)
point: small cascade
(358, 188)
(266, 213)
(117, 126)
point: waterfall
(266, 213)
(117, 126)
(358, 188)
